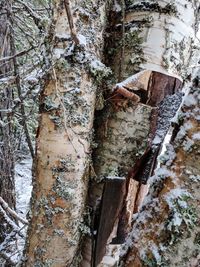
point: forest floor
(23, 186)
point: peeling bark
(115, 151)
(131, 128)
(111, 205)
(166, 229)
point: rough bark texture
(129, 130)
(166, 232)
(153, 39)
(64, 137)
(127, 146)
(114, 186)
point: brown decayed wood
(159, 86)
(112, 200)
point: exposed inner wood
(159, 87)
(112, 200)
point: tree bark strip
(111, 205)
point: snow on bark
(171, 27)
(148, 37)
(64, 138)
(166, 231)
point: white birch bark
(64, 137)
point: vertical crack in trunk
(161, 89)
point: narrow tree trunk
(65, 135)
(7, 156)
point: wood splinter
(134, 87)
(126, 93)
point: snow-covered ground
(23, 186)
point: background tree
(22, 37)
(6, 127)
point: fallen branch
(12, 212)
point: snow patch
(116, 7)
(175, 194)
(187, 144)
(82, 40)
(190, 101)
(196, 136)
(130, 79)
(23, 186)
(58, 52)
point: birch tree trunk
(154, 40)
(65, 135)
(148, 47)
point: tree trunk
(166, 232)
(6, 127)
(148, 47)
(153, 39)
(65, 135)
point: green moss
(150, 261)
(62, 189)
(62, 64)
(182, 219)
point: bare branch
(12, 212)
(7, 259)
(18, 54)
(32, 13)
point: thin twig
(17, 54)
(71, 22)
(33, 14)
(7, 259)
